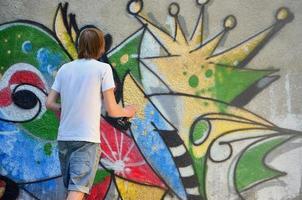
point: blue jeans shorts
(79, 162)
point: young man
(79, 84)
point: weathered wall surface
(218, 85)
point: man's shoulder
(88, 65)
(73, 62)
(101, 65)
(65, 65)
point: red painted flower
(120, 154)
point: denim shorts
(79, 162)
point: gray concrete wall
(270, 143)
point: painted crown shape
(193, 66)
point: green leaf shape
(230, 82)
(124, 56)
(251, 168)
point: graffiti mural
(191, 125)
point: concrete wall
(217, 84)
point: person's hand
(130, 110)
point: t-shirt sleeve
(107, 79)
(57, 83)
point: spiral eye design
(24, 94)
(25, 99)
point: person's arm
(114, 109)
(51, 102)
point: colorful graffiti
(191, 120)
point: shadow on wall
(191, 136)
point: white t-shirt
(79, 83)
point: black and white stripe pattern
(183, 162)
